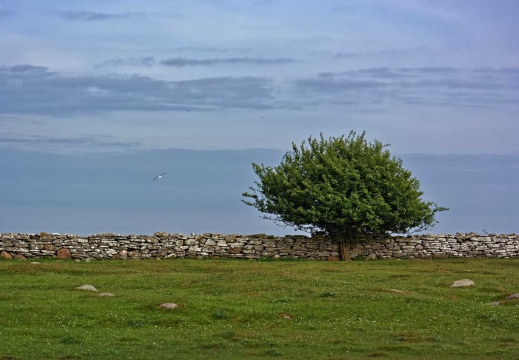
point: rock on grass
(86, 287)
(168, 305)
(463, 282)
(106, 294)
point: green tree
(346, 188)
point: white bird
(160, 176)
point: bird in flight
(160, 176)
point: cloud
(381, 53)
(210, 49)
(376, 72)
(146, 61)
(313, 40)
(27, 89)
(56, 144)
(200, 48)
(177, 62)
(27, 69)
(512, 71)
(95, 16)
(182, 61)
(36, 90)
(420, 85)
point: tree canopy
(345, 187)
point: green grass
(238, 309)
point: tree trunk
(344, 251)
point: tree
(346, 188)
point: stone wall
(169, 246)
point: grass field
(238, 309)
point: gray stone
(86, 287)
(371, 257)
(462, 283)
(106, 294)
(168, 305)
(513, 296)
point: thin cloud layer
(182, 61)
(380, 53)
(178, 62)
(95, 16)
(146, 61)
(421, 85)
(51, 144)
(37, 90)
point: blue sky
(85, 80)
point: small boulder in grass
(106, 294)
(87, 288)
(168, 305)
(396, 291)
(286, 316)
(513, 296)
(463, 282)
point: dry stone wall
(170, 246)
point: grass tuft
(328, 294)
(135, 323)
(70, 340)
(274, 352)
(221, 314)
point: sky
(99, 97)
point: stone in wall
(63, 254)
(6, 255)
